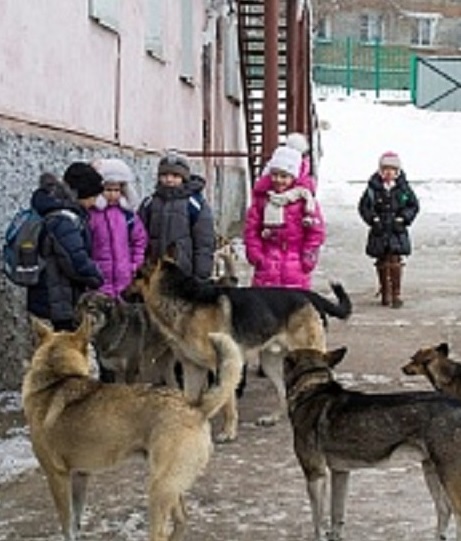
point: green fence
(362, 66)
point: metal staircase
(252, 54)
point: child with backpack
(178, 215)
(65, 244)
(119, 239)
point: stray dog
(443, 373)
(273, 320)
(79, 425)
(125, 338)
(344, 430)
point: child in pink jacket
(119, 238)
(284, 227)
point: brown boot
(396, 280)
(383, 269)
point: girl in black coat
(389, 206)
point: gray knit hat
(175, 164)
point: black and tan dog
(270, 319)
(79, 425)
(434, 363)
(343, 430)
(126, 339)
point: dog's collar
(317, 376)
(431, 378)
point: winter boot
(384, 277)
(396, 280)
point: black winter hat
(83, 180)
(175, 164)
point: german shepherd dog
(273, 320)
(126, 339)
(434, 363)
(79, 425)
(344, 430)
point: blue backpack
(22, 260)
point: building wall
(73, 89)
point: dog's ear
(83, 333)
(41, 330)
(334, 357)
(443, 349)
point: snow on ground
(359, 131)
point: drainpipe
(118, 83)
(302, 76)
(292, 73)
(270, 97)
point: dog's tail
(230, 363)
(341, 310)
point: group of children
(102, 234)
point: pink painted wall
(58, 67)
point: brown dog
(433, 363)
(79, 425)
(272, 320)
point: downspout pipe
(270, 97)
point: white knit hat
(116, 170)
(390, 159)
(297, 141)
(286, 159)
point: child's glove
(309, 260)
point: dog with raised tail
(79, 425)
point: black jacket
(182, 218)
(66, 247)
(389, 213)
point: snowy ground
(253, 489)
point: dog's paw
(268, 420)
(224, 437)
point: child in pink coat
(284, 227)
(119, 238)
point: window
(154, 28)
(324, 28)
(106, 13)
(187, 48)
(422, 31)
(371, 28)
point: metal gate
(438, 83)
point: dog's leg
(195, 380)
(271, 359)
(79, 485)
(60, 487)
(316, 492)
(440, 498)
(339, 487)
(179, 516)
(230, 428)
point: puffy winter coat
(119, 242)
(69, 269)
(388, 213)
(181, 217)
(286, 254)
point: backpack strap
(194, 207)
